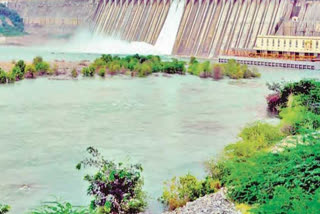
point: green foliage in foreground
(180, 190)
(116, 188)
(254, 138)
(56, 207)
(254, 180)
(297, 118)
(4, 209)
(292, 201)
(308, 91)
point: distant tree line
(17, 27)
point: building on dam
(288, 46)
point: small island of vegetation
(134, 66)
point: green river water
(169, 124)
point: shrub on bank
(87, 72)
(236, 71)
(102, 72)
(180, 190)
(74, 73)
(4, 208)
(217, 71)
(21, 64)
(115, 187)
(56, 207)
(254, 181)
(254, 138)
(30, 72)
(232, 69)
(308, 90)
(3, 76)
(11, 77)
(17, 73)
(42, 68)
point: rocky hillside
(54, 17)
(11, 24)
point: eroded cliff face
(54, 17)
(207, 28)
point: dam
(201, 28)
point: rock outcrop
(215, 203)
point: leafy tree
(36, 60)
(21, 64)
(56, 207)
(4, 209)
(102, 72)
(87, 72)
(30, 71)
(116, 188)
(74, 73)
(19, 75)
(42, 67)
(3, 76)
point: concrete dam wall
(204, 28)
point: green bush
(21, 64)
(36, 60)
(74, 73)
(193, 60)
(255, 180)
(99, 63)
(307, 90)
(57, 207)
(42, 67)
(30, 71)
(294, 200)
(297, 118)
(116, 188)
(3, 76)
(178, 191)
(255, 137)
(11, 77)
(4, 208)
(236, 71)
(102, 72)
(87, 72)
(19, 75)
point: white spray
(170, 28)
(87, 43)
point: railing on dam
(272, 63)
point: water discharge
(101, 42)
(170, 29)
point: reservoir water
(170, 125)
